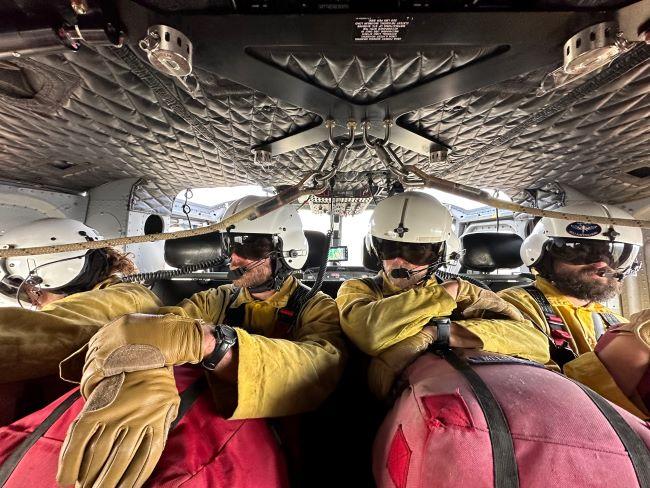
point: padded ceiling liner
(97, 122)
(590, 146)
(367, 78)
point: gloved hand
(120, 434)
(386, 368)
(476, 302)
(138, 342)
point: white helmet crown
(284, 223)
(411, 216)
(548, 228)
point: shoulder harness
(287, 316)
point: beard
(404, 283)
(254, 277)
(582, 286)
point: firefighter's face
(584, 281)
(259, 273)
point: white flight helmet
(283, 224)
(50, 271)
(624, 241)
(409, 217)
(454, 250)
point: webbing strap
(635, 446)
(12, 461)
(553, 320)
(188, 397)
(504, 461)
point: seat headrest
(316, 241)
(488, 251)
(193, 250)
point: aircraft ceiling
(75, 120)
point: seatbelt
(636, 448)
(188, 397)
(287, 315)
(504, 461)
(561, 352)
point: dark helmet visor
(589, 251)
(249, 246)
(414, 253)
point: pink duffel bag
(545, 430)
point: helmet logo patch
(583, 229)
(400, 230)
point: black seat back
(489, 251)
(485, 252)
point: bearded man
(579, 265)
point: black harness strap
(287, 316)
(561, 352)
(188, 397)
(375, 283)
(14, 459)
(636, 448)
(506, 474)
(610, 319)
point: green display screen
(338, 253)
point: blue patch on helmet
(583, 229)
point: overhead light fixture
(586, 52)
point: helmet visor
(414, 253)
(249, 246)
(589, 251)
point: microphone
(407, 273)
(400, 273)
(235, 274)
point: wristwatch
(225, 338)
(443, 332)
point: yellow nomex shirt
(276, 376)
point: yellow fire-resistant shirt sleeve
(514, 338)
(33, 343)
(375, 323)
(590, 371)
(527, 306)
(205, 305)
(279, 377)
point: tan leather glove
(120, 434)
(476, 302)
(386, 368)
(138, 342)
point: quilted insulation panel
(78, 120)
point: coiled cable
(165, 274)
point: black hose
(446, 275)
(165, 274)
(318, 282)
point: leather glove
(120, 434)
(386, 368)
(476, 302)
(137, 342)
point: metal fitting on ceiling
(170, 52)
